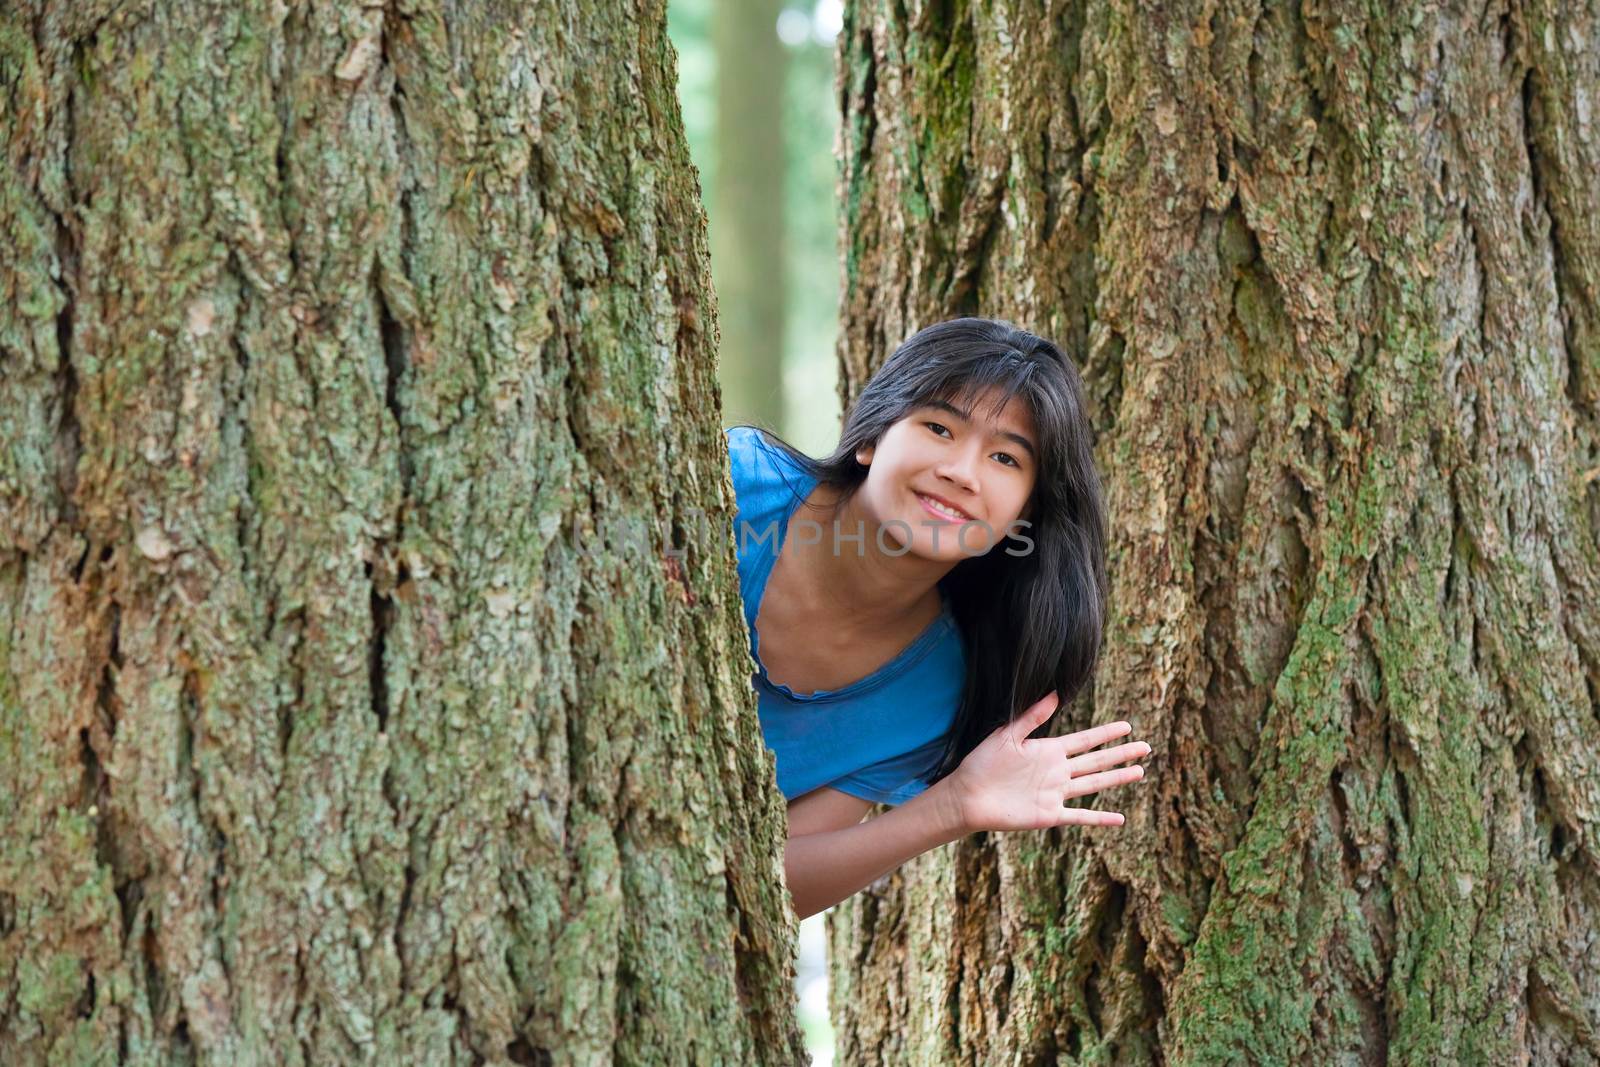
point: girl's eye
(1010, 459)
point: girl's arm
(824, 868)
(825, 809)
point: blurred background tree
(769, 188)
(746, 181)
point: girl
(942, 568)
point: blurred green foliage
(811, 402)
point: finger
(1036, 714)
(1095, 735)
(1093, 783)
(1107, 757)
(1089, 817)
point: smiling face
(948, 463)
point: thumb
(1035, 715)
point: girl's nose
(960, 471)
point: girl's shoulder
(765, 477)
(750, 444)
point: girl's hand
(1012, 783)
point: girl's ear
(864, 455)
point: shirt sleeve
(895, 780)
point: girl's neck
(857, 580)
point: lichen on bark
(1327, 271)
(338, 720)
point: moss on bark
(1326, 275)
(341, 720)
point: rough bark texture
(747, 234)
(1332, 274)
(343, 719)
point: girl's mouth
(942, 511)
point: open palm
(1010, 782)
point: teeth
(941, 509)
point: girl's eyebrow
(966, 416)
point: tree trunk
(1330, 271)
(747, 230)
(358, 366)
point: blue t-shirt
(878, 738)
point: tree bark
(358, 384)
(748, 231)
(1329, 271)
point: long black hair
(1030, 616)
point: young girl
(906, 595)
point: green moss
(1179, 917)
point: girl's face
(946, 464)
